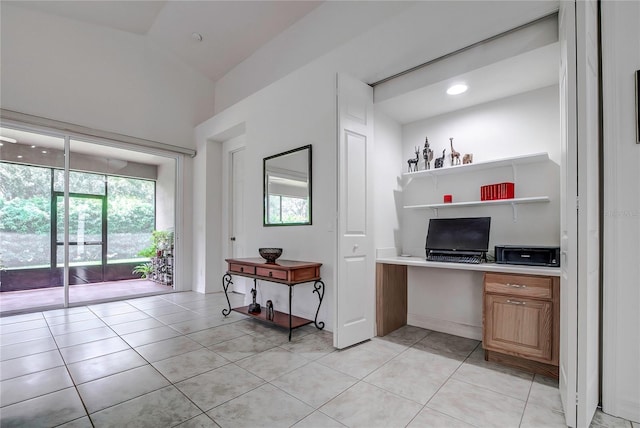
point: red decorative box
(492, 192)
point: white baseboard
(444, 326)
(624, 408)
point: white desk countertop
(482, 267)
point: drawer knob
(516, 285)
(270, 274)
(515, 302)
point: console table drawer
(519, 285)
(272, 273)
(242, 268)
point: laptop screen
(459, 234)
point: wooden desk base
(391, 307)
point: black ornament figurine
(254, 308)
(439, 163)
(413, 163)
(269, 306)
(427, 154)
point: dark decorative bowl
(270, 254)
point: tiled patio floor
(15, 302)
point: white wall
(166, 195)
(292, 112)
(98, 77)
(522, 124)
(388, 182)
(621, 243)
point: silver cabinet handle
(516, 285)
(515, 302)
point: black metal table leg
(318, 287)
(290, 292)
(226, 281)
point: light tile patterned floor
(175, 361)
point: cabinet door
(517, 326)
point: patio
(15, 302)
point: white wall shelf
(513, 202)
(458, 169)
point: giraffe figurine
(455, 156)
(427, 154)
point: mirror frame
(265, 191)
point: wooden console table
(287, 272)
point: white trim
(9, 117)
(65, 277)
(178, 224)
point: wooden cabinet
(521, 321)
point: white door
(355, 287)
(588, 213)
(579, 311)
(236, 212)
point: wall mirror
(287, 188)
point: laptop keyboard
(454, 259)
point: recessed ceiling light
(8, 140)
(457, 89)
(19, 156)
(33, 147)
(44, 151)
(1, 144)
(196, 36)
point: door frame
(230, 146)
(54, 226)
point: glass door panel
(27, 159)
(86, 237)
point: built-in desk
(520, 308)
(481, 267)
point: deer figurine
(427, 154)
(439, 162)
(467, 158)
(455, 156)
(413, 163)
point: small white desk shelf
(459, 169)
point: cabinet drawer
(242, 268)
(517, 326)
(540, 287)
(271, 273)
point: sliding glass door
(77, 212)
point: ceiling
(231, 30)
(532, 70)
(234, 30)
